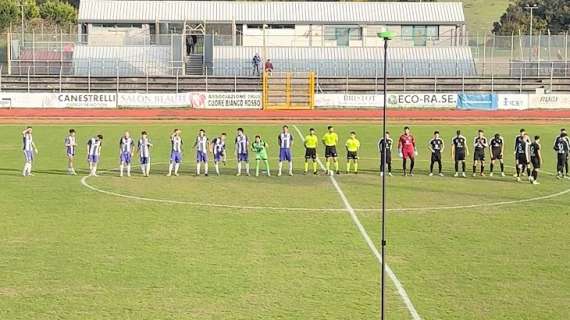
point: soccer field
(227, 247)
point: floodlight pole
(531, 8)
(386, 36)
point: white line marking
(403, 294)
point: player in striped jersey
(143, 148)
(202, 145)
(126, 149)
(70, 146)
(218, 148)
(29, 148)
(285, 141)
(311, 144)
(241, 151)
(93, 153)
(175, 152)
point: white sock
(170, 166)
(217, 165)
(128, 169)
(206, 168)
(176, 167)
(148, 168)
(247, 167)
(25, 172)
(122, 167)
(280, 167)
(239, 167)
(198, 164)
(143, 169)
(291, 167)
(94, 169)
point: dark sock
(463, 165)
(482, 168)
(518, 171)
(502, 167)
(474, 168)
(439, 165)
(412, 163)
(535, 174)
(389, 166)
(431, 167)
(404, 165)
(456, 166)
(528, 171)
(491, 167)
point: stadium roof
(314, 12)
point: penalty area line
(399, 287)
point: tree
(9, 13)
(553, 15)
(31, 9)
(60, 13)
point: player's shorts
(330, 152)
(92, 158)
(479, 155)
(535, 162)
(218, 156)
(459, 155)
(29, 155)
(70, 152)
(284, 154)
(562, 158)
(408, 154)
(201, 156)
(261, 156)
(126, 157)
(436, 156)
(243, 157)
(521, 159)
(144, 160)
(176, 156)
(388, 157)
(352, 155)
(496, 155)
(310, 153)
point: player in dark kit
(436, 147)
(567, 138)
(459, 151)
(497, 148)
(479, 147)
(562, 148)
(535, 159)
(386, 148)
(522, 154)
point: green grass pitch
(275, 247)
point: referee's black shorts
(330, 152)
(310, 153)
(352, 155)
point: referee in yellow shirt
(311, 143)
(330, 140)
(352, 146)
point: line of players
(528, 154)
(204, 147)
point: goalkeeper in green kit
(260, 148)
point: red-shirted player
(407, 149)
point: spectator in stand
(256, 62)
(194, 43)
(268, 66)
(188, 45)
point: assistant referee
(311, 143)
(330, 140)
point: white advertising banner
(83, 100)
(226, 100)
(154, 100)
(27, 100)
(349, 100)
(512, 101)
(549, 101)
(422, 100)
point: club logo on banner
(85, 100)
(512, 101)
(549, 101)
(224, 100)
